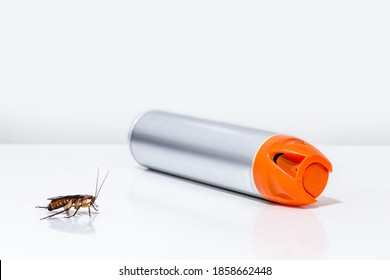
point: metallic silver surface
(206, 151)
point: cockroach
(76, 201)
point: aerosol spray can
(264, 164)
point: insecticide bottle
(268, 165)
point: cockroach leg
(53, 214)
(75, 212)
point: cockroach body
(76, 201)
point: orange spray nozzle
(290, 171)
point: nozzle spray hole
(277, 156)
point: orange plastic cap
(290, 171)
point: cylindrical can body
(206, 151)
(273, 166)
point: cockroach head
(93, 202)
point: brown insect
(76, 201)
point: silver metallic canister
(241, 159)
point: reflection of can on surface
(276, 167)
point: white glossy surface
(147, 215)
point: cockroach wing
(61, 197)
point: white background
(81, 71)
